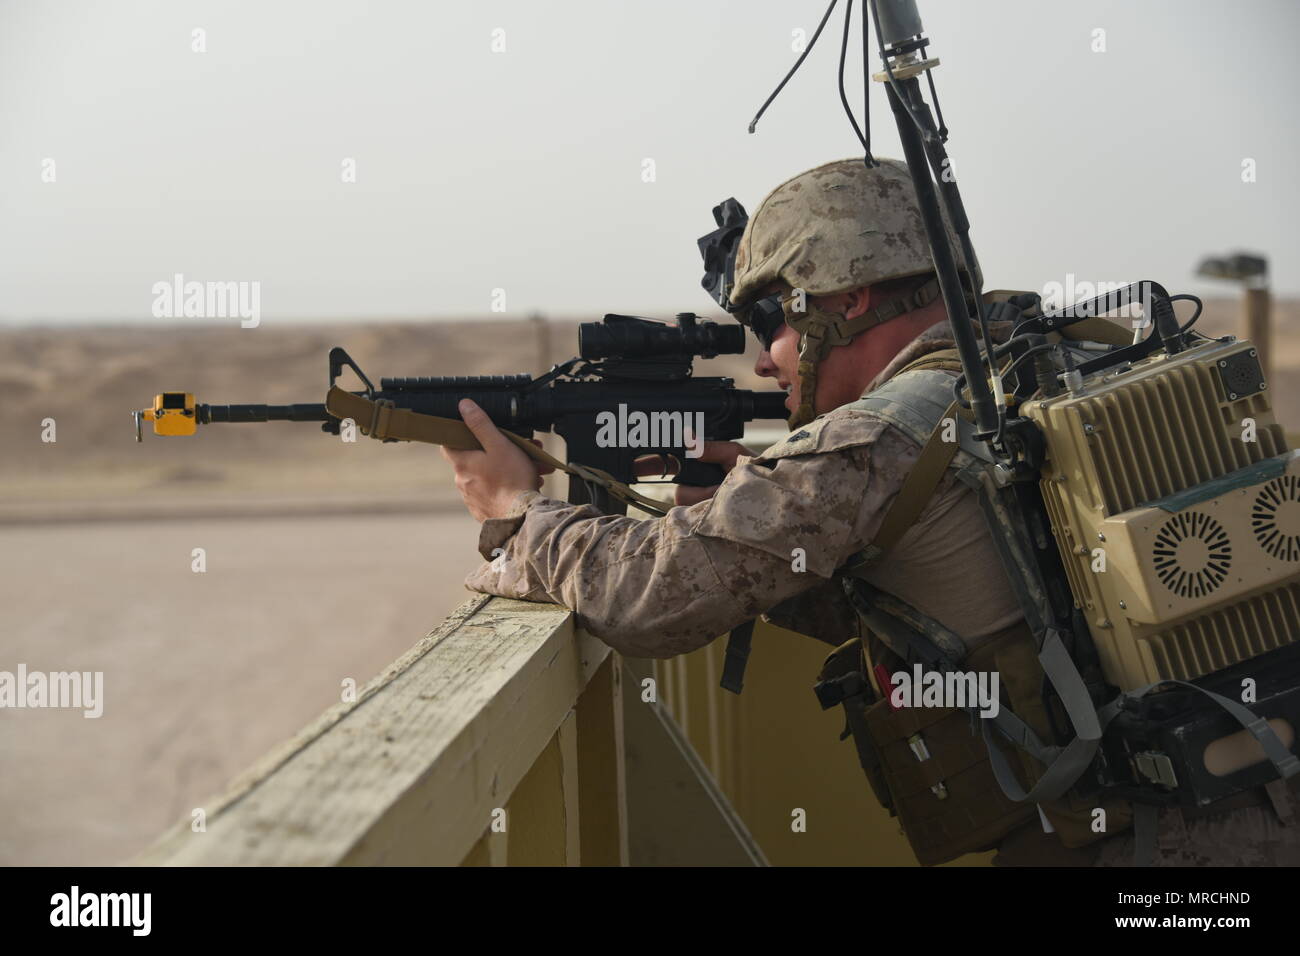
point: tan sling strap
(919, 485)
(918, 488)
(384, 421)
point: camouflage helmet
(832, 229)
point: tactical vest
(931, 766)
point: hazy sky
(522, 170)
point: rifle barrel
(261, 413)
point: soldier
(834, 277)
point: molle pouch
(942, 784)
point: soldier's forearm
(664, 587)
(646, 588)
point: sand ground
(203, 672)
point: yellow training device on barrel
(173, 413)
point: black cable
(1200, 306)
(797, 63)
(866, 83)
(1002, 349)
(934, 95)
(998, 352)
(844, 49)
(986, 361)
(1035, 350)
(982, 312)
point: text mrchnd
(1205, 896)
(102, 909)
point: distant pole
(1256, 320)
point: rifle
(629, 370)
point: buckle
(1156, 768)
(924, 294)
(379, 416)
(838, 689)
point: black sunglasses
(766, 316)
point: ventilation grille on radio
(1269, 517)
(1192, 554)
(1158, 435)
(1224, 637)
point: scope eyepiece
(631, 337)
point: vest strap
(920, 484)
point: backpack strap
(918, 488)
(913, 401)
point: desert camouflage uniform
(1249, 836)
(658, 588)
(1246, 836)
(665, 587)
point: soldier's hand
(722, 453)
(490, 480)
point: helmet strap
(821, 330)
(813, 347)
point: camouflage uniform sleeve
(824, 611)
(777, 527)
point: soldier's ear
(857, 302)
